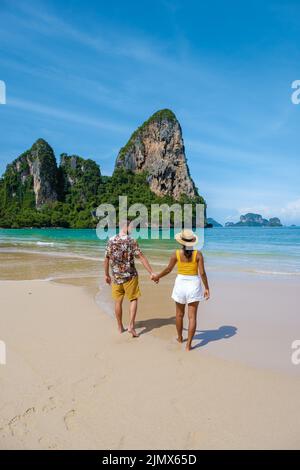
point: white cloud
(289, 213)
(78, 118)
(222, 153)
(43, 22)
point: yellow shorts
(129, 288)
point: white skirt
(187, 289)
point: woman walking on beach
(188, 288)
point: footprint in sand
(69, 420)
(46, 443)
(50, 406)
(18, 425)
(88, 385)
(98, 384)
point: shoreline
(259, 313)
(90, 262)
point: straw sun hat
(186, 237)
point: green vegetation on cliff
(35, 192)
(79, 179)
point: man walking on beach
(120, 253)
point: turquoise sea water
(257, 251)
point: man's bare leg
(192, 313)
(132, 313)
(119, 312)
(179, 321)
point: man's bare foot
(133, 332)
(188, 347)
(179, 339)
(121, 329)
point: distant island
(36, 191)
(213, 223)
(255, 220)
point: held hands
(206, 294)
(154, 277)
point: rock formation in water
(157, 148)
(255, 220)
(213, 223)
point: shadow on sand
(201, 338)
(207, 336)
(154, 323)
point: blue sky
(84, 75)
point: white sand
(72, 382)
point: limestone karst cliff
(151, 168)
(157, 148)
(32, 177)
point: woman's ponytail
(187, 252)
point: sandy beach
(72, 382)
(158, 139)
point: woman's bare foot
(188, 347)
(179, 339)
(133, 332)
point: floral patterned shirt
(121, 250)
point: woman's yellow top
(188, 268)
